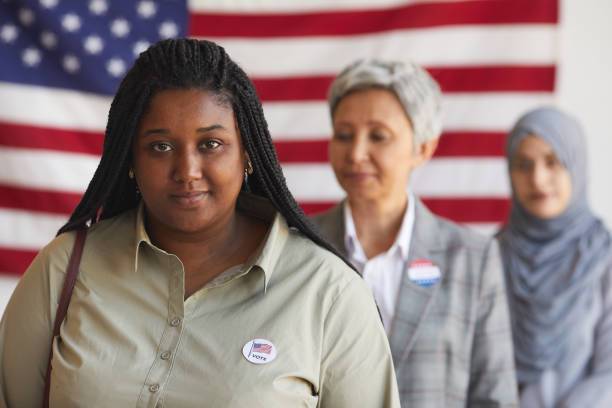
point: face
(188, 161)
(541, 184)
(372, 150)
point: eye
(378, 136)
(343, 136)
(161, 147)
(522, 165)
(211, 144)
(552, 162)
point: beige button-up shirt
(131, 340)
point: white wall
(585, 88)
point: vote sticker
(259, 351)
(424, 273)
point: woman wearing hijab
(439, 286)
(556, 255)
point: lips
(189, 198)
(357, 175)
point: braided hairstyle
(185, 64)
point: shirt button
(165, 355)
(154, 387)
(175, 322)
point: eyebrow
(162, 131)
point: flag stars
(48, 4)
(116, 67)
(93, 44)
(48, 40)
(31, 56)
(146, 9)
(71, 63)
(71, 22)
(140, 46)
(26, 16)
(120, 27)
(168, 29)
(8, 33)
(98, 7)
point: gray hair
(416, 90)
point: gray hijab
(553, 267)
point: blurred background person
(557, 260)
(439, 286)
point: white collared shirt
(383, 273)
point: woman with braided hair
(201, 282)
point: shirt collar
(402, 241)
(265, 257)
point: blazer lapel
(414, 301)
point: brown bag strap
(71, 277)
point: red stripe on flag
(452, 144)
(464, 210)
(302, 24)
(455, 79)
(38, 200)
(15, 261)
(36, 137)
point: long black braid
(185, 64)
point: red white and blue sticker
(259, 351)
(423, 273)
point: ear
(425, 151)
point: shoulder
(329, 219)
(455, 237)
(318, 266)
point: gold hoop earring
(131, 173)
(249, 168)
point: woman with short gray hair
(439, 286)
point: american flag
(261, 348)
(61, 61)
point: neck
(213, 240)
(377, 222)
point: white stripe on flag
(471, 45)
(40, 106)
(46, 170)
(474, 177)
(283, 6)
(300, 120)
(28, 230)
(287, 120)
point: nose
(540, 175)
(358, 150)
(187, 166)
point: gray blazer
(451, 342)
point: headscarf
(553, 266)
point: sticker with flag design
(259, 351)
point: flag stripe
(471, 46)
(287, 120)
(32, 230)
(452, 144)
(47, 170)
(480, 210)
(37, 137)
(20, 198)
(461, 113)
(462, 177)
(289, 151)
(343, 23)
(15, 261)
(455, 79)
